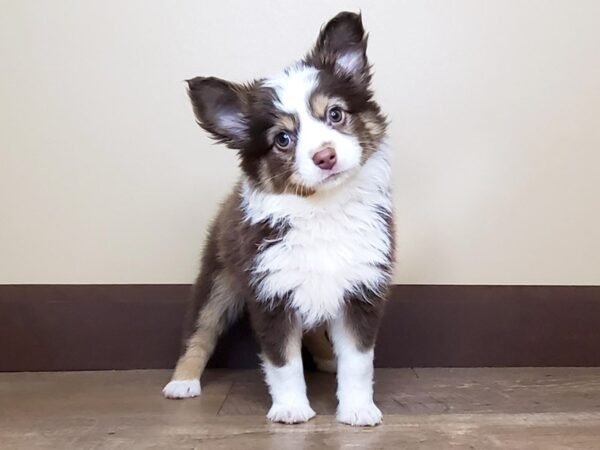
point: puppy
(305, 241)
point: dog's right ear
(342, 45)
(220, 109)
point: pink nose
(325, 159)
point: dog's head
(310, 127)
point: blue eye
(335, 114)
(283, 140)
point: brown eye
(283, 140)
(335, 114)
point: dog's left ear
(342, 45)
(219, 107)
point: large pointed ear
(220, 109)
(342, 45)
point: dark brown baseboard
(86, 327)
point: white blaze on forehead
(294, 88)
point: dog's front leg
(279, 332)
(353, 340)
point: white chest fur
(334, 243)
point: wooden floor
(530, 408)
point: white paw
(360, 415)
(182, 389)
(290, 413)
(326, 365)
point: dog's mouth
(337, 178)
(333, 176)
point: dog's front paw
(365, 415)
(182, 389)
(290, 413)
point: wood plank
(492, 390)
(525, 408)
(74, 395)
(446, 391)
(550, 431)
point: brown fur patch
(370, 128)
(363, 313)
(285, 122)
(299, 189)
(274, 325)
(220, 308)
(277, 174)
(320, 102)
(223, 283)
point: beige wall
(495, 109)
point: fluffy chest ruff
(330, 247)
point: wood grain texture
(440, 391)
(523, 408)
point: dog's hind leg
(214, 307)
(319, 346)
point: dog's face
(307, 129)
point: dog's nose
(325, 159)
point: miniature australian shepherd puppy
(305, 241)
